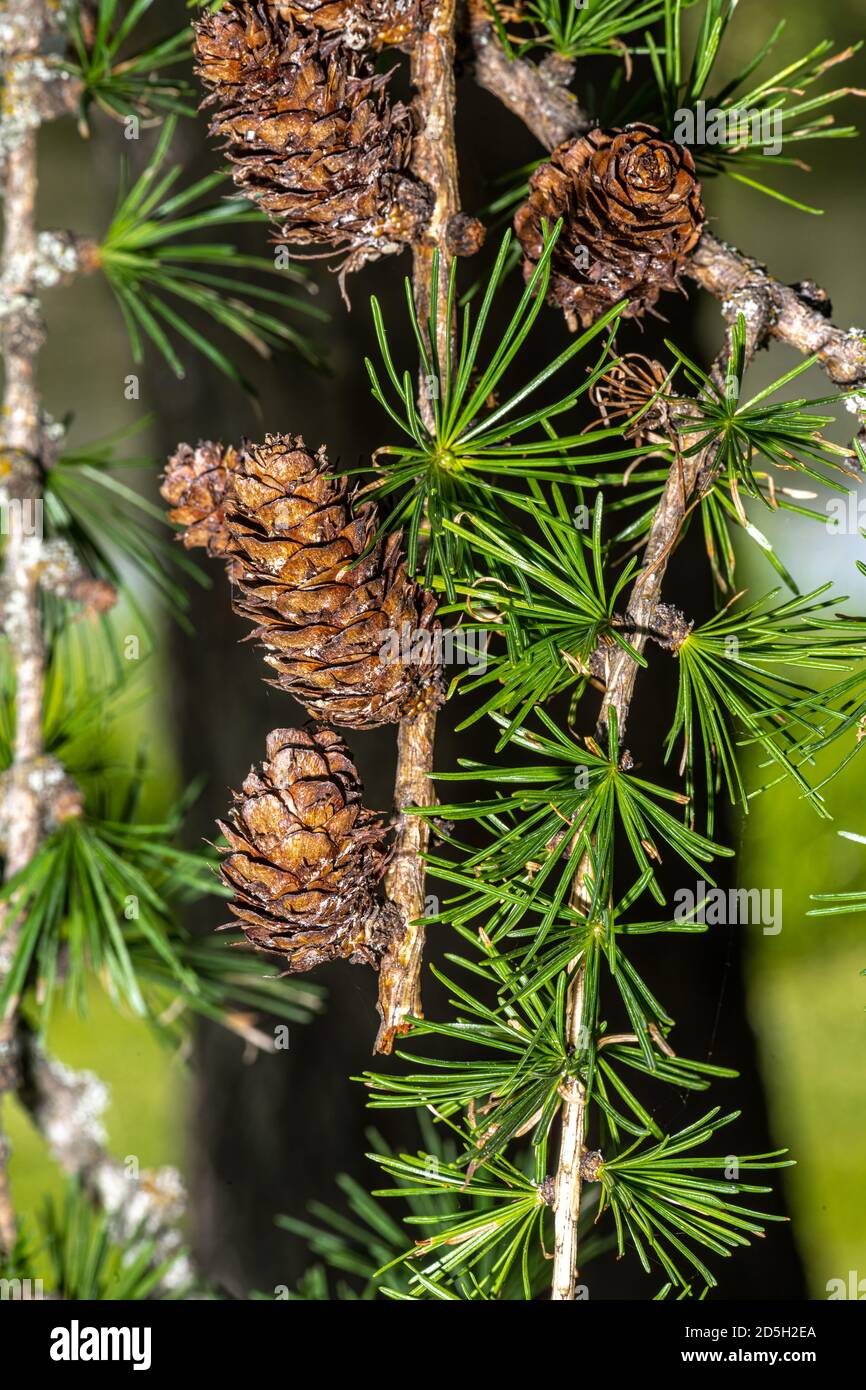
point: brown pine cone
(310, 134)
(232, 51)
(359, 23)
(305, 855)
(631, 208)
(195, 484)
(348, 633)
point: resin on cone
(359, 23)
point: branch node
(591, 1165)
(670, 627)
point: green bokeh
(807, 995)
(144, 1119)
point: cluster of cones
(325, 596)
(314, 140)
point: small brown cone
(195, 484)
(348, 633)
(305, 856)
(631, 207)
(310, 134)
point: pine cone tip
(195, 484)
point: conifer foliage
(531, 480)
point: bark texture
(435, 163)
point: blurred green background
(806, 994)
(805, 991)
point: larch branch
(67, 1109)
(770, 309)
(536, 92)
(35, 91)
(689, 478)
(731, 276)
(554, 115)
(435, 163)
(572, 1140)
(21, 334)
